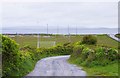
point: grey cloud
(88, 14)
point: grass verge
(109, 70)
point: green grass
(61, 39)
(107, 41)
(109, 70)
(45, 41)
(47, 44)
(26, 40)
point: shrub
(10, 53)
(106, 53)
(68, 49)
(100, 56)
(77, 50)
(26, 47)
(100, 53)
(88, 55)
(105, 56)
(112, 54)
(66, 44)
(78, 43)
(89, 39)
(85, 53)
(16, 62)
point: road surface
(113, 36)
(56, 66)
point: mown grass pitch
(32, 41)
(46, 44)
(48, 41)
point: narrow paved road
(56, 66)
(113, 36)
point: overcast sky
(39, 14)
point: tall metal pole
(38, 39)
(38, 42)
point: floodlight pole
(38, 38)
(38, 42)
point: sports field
(48, 41)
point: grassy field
(107, 41)
(61, 39)
(45, 41)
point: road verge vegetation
(20, 61)
(98, 61)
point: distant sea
(62, 31)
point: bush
(66, 49)
(87, 56)
(10, 53)
(89, 39)
(77, 50)
(16, 62)
(112, 54)
(78, 43)
(106, 53)
(101, 56)
(85, 53)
